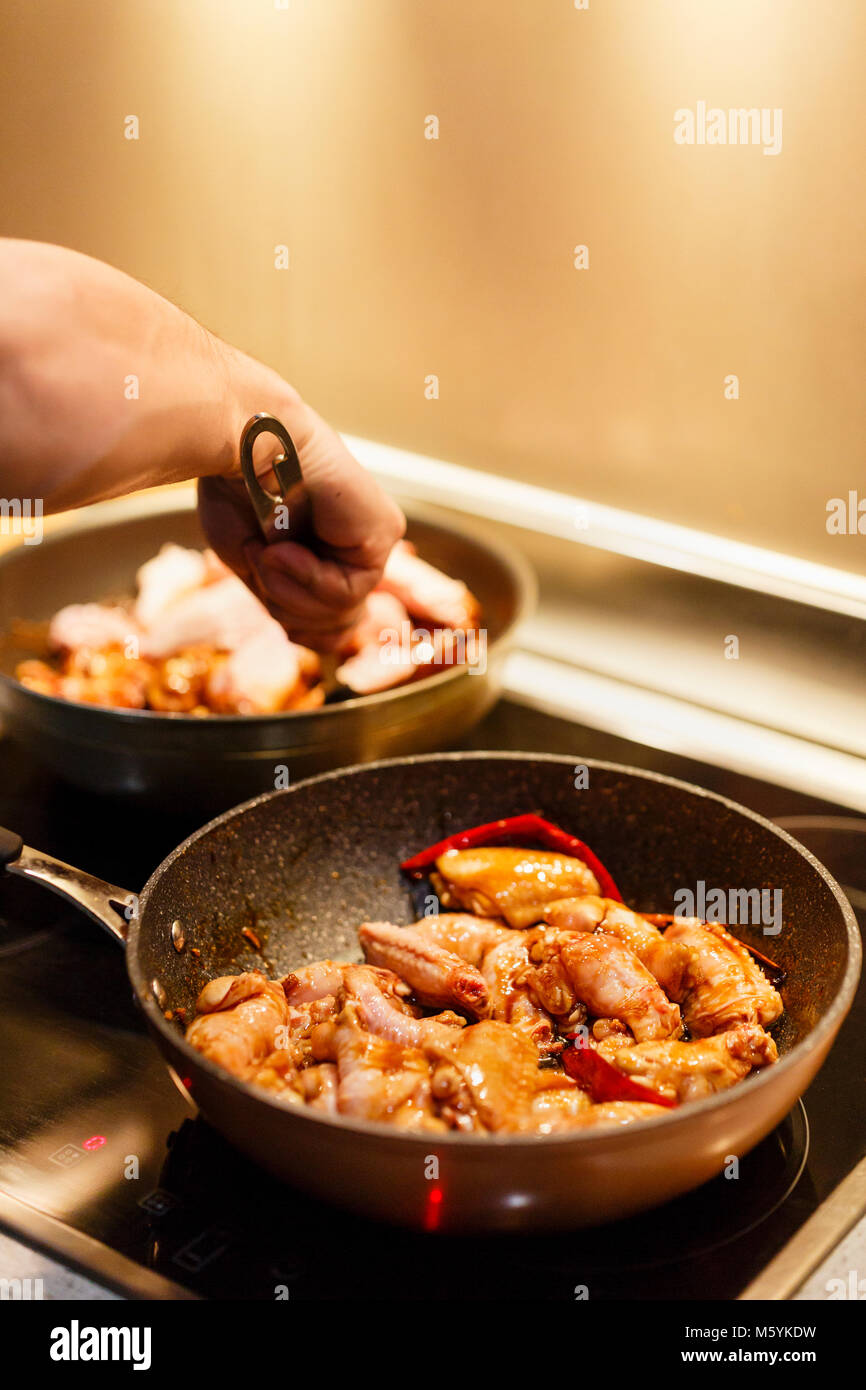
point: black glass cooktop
(103, 1164)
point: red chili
(603, 1081)
(526, 827)
(664, 919)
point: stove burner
(716, 1214)
(213, 1204)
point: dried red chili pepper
(526, 827)
(603, 1081)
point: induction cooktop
(104, 1164)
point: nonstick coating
(303, 868)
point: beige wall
(305, 126)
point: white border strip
(640, 537)
(676, 726)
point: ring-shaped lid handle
(286, 467)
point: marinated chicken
(505, 968)
(241, 1021)
(510, 883)
(195, 640)
(694, 1069)
(491, 1077)
(663, 957)
(377, 1079)
(606, 976)
(722, 984)
(463, 1020)
(437, 976)
(469, 937)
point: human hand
(316, 585)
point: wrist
(252, 388)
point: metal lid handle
(287, 468)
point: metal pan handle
(110, 906)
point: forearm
(106, 387)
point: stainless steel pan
(209, 764)
(304, 867)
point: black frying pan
(304, 867)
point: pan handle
(110, 906)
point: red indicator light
(431, 1215)
(96, 1141)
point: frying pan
(160, 759)
(305, 866)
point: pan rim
(525, 587)
(623, 1137)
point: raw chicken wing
(605, 975)
(663, 958)
(723, 985)
(692, 1070)
(438, 977)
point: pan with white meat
(195, 640)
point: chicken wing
(722, 984)
(380, 1013)
(468, 937)
(438, 977)
(665, 959)
(492, 1076)
(516, 884)
(505, 968)
(692, 1070)
(605, 975)
(237, 1023)
(561, 1108)
(379, 1079)
(314, 981)
(317, 1086)
(501, 955)
(328, 977)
